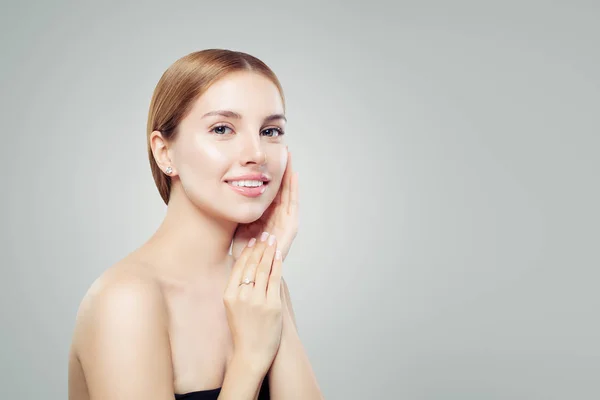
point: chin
(246, 215)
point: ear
(160, 151)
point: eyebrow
(232, 114)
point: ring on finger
(246, 281)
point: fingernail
(271, 240)
(278, 254)
(264, 236)
(251, 242)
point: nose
(251, 151)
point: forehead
(247, 93)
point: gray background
(448, 160)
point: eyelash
(280, 131)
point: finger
(238, 267)
(293, 202)
(274, 285)
(264, 268)
(253, 261)
(285, 182)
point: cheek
(283, 158)
(205, 160)
(280, 157)
(214, 155)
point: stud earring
(169, 170)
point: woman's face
(230, 154)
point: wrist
(248, 366)
(242, 380)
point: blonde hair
(181, 84)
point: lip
(249, 191)
(249, 177)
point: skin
(155, 323)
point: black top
(213, 394)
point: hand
(280, 219)
(254, 310)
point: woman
(181, 316)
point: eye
(220, 129)
(273, 132)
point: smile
(247, 183)
(248, 188)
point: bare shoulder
(121, 337)
(124, 288)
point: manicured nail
(278, 254)
(271, 240)
(264, 236)
(251, 242)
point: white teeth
(247, 183)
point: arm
(291, 375)
(241, 381)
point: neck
(190, 243)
